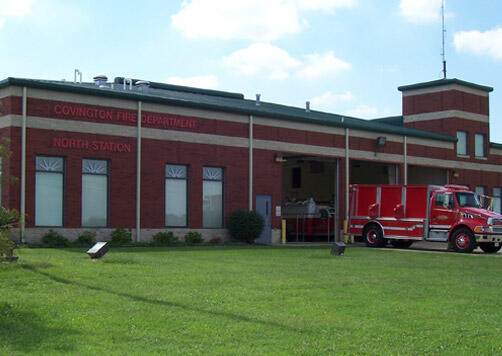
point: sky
(344, 56)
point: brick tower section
(446, 106)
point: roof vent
(76, 73)
(258, 99)
(100, 80)
(142, 85)
(307, 106)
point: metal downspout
(23, 168)
(138, 177)
(250, 162)
(405, 163)
(347, 175)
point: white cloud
(327, 100)
(257, 20)
(262, 58)
(421, 11)
(480, 43)
(321, 65)
(276, 63)
(206, 81)
(15, 7)
(325, 4)
(363, 111)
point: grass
(250, 300)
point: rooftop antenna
(443, 54)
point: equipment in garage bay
(308, 219)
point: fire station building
(157, 157)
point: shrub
(8, 218)
(245, 225)
(87, 238)
(165, 238)
(6, 247)
(121, 236)
(215, 241)
(54, 239)
(193, 237)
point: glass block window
(462, 143)
(94, 193)
(479, 145)
(212, 197)
(49, 191)
(176, 195)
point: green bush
(215, 241)
(54, 239)
(245, 225)
(193, 237)
(87, 238)
(8, 218)
(6, 246)
(165, 238)
(121, 236)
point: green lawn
(250, 300)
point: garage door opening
(365, 172)
(309, 198)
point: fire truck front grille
(497, 229)
(497, 222)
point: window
(444, 201)
(212, 197)
(462, 143)
(481, 193)
(176, 195)
(479, 145)
(497, 194)
(296, 177)
(94, 193)
(480, 190)
(468, 200)
(49, 185)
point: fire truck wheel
(463, 240)
(489, 247)
(373, 236)
(401, 243)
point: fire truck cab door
(442, 216)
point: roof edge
(322, 118)
(441, 82)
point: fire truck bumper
(497, 238)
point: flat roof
(441, 82)
(176, 95)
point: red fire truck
(403, 214)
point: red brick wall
(445, 100)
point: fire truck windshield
(469, 200)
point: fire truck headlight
(482, 229)
(490, 221)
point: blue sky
(345, 56)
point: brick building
(83, 161)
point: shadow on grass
(24, 332)
(187, 307)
